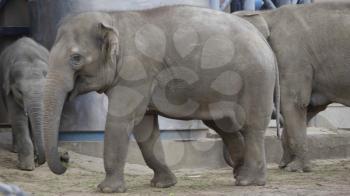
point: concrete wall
(335, 116)
(15, 13)
(207, 152)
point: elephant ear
(109, 52)
(257, 20)
(110, 43)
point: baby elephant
(23, 68)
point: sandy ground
(329, 177)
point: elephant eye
(75, 60)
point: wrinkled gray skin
(119, 53)
(312, 46)
(23, 68)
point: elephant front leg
(147, 136)
(253, 170)
(294, 139)
(116, 143)
(126, 109)
(22, 138)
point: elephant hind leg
(227, 156)
(288, 155)
(253, 170)
(247, 152)
(233, 145)
(294, 138)
(147, 136)
(296, 96)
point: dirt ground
(329, 177)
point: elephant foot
(111, 186)
(14, 149)
(298, 166)
(250, 182)
(250, 177)
(163, 180)
(286, 159)
(27, 165)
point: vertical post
(214, 4)
(219, 4)
(280, 3)
(225, 4)
(249, 5)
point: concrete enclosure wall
(14, 13)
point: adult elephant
(312, 45)
(197, 64)
(23, 68)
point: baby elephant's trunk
(35, 112)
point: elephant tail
(277, 102)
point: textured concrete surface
(206, 152)
(329, 177)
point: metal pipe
(214, 4)
(269, 4)
(14, 31)
(225, 4)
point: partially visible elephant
(181, 62)
(23, 68)
(312, 46)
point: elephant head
(24, 80)
(257, 19)
(83, 59)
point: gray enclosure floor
(330, 177)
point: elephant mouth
(80, 89)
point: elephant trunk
(54, 97)
(35, 111)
